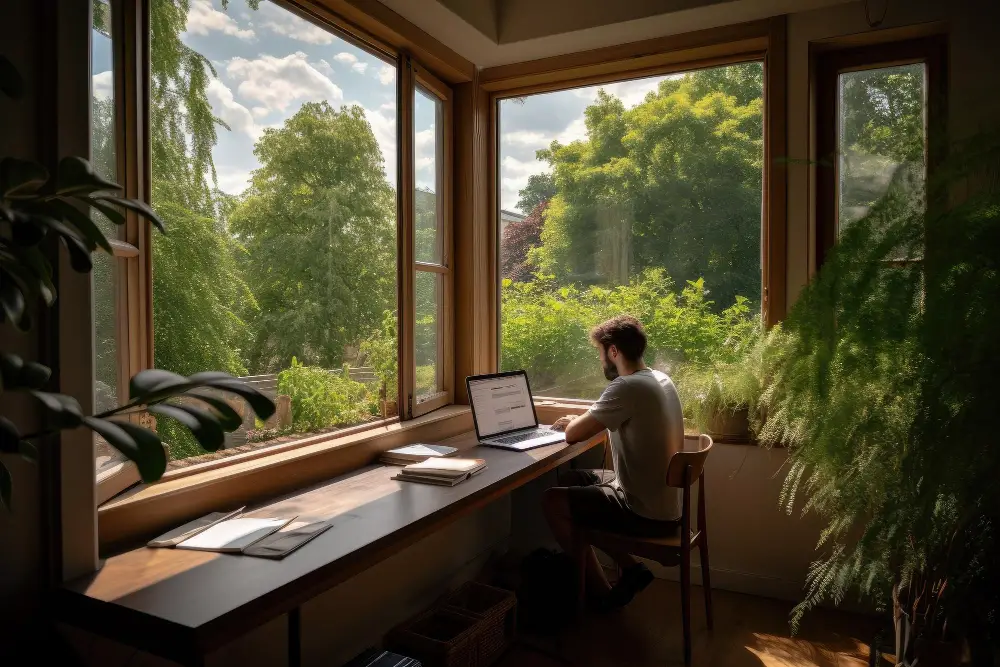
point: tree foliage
(539, 189)
(518, 239)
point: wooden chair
(683, 469)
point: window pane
(639, 197)
(105, 273)
(429, 299)
(280, 260)
(881, 132)
(427, 150)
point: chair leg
(706, 582)
(686, 602)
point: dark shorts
(603, 507)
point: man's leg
(555, 504)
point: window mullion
(407, 269)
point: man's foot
(633, 580)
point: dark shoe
(633, 580)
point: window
(273, 160)
(878, 106)
(640, 197)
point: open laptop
(504, 412)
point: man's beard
(610, 371)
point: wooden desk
(182, 604)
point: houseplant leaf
(21, 178)
(133, 205)
(229, 419)
(138, 444)
(203, 425)
(76, 176)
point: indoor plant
(881, 386)
(38, 211)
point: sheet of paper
(234, 534)
(191, 528)
(446, 465)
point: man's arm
(578, 428)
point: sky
(270, 61)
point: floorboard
(749, 632)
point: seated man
(641, 409)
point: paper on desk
(234, 535)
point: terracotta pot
(389, 409)
(730, 425)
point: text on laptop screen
(501, 404)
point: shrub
(321, 398)
(380, 351)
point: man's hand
(561, 423)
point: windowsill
(148, 509)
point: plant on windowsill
(37, 211)
(721, 397)
(882, 386)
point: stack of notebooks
(402, 456)
(441, 471)
(265, 537)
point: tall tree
(539, 189)
(318, 222)
(518, 239)
(674, 182)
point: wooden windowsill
(148, 509)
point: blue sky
(270, 61)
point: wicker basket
(438, 638)
(496, 610)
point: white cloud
(386, 74)
(260, 112)
(225, 106)
(103, 85)
(282, 22)
(232, 180)
(383, 123)
(277, 82)
(346, 58)
(360, 68)
(576, 130)
(324, 67)
(202, 19)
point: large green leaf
(228, 417)
(11, 300)
(21, 178)
(63, 411)
(146, 384)
(15, 373)
(84, 223)
(139, 207)
(138, 444)
(76, 176)
(261, 404)
(203, 425)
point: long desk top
(180, 603)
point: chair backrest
(681, 460)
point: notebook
(415, 453)
(174, 537)
(441, 471)
(234, 535)
(284, 542)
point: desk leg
(295, 637)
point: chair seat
(664, 550)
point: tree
(318, 223)
(539, 190)
(518, 239)
(674, 182)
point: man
(641, 409)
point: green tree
(539, 189)
(318, 222)
(674, 182)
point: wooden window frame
(827, 64)
(764, 41)
(377, 31)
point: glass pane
(429, 299)
(279, 265)
(640, 197)
(881, 132)
(106, 330)
(103, 150)
(427, 151)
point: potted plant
(882, 386)
(38, 212)
(721, 397)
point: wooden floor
(749, 632)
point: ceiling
(498, 32)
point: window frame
(827, 66)
(762, 41)
(386, 37)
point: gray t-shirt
(643, 413)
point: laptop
(504, 412)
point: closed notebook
(287, 540)
(234, 535)
(415, 454)
(445, 467)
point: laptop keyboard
(521, 437)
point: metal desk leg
(295, 638)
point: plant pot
(730, 425)
(389, 408)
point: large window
(641, 197)
(273, 162)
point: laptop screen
(501, 404)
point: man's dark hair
(624, 332)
